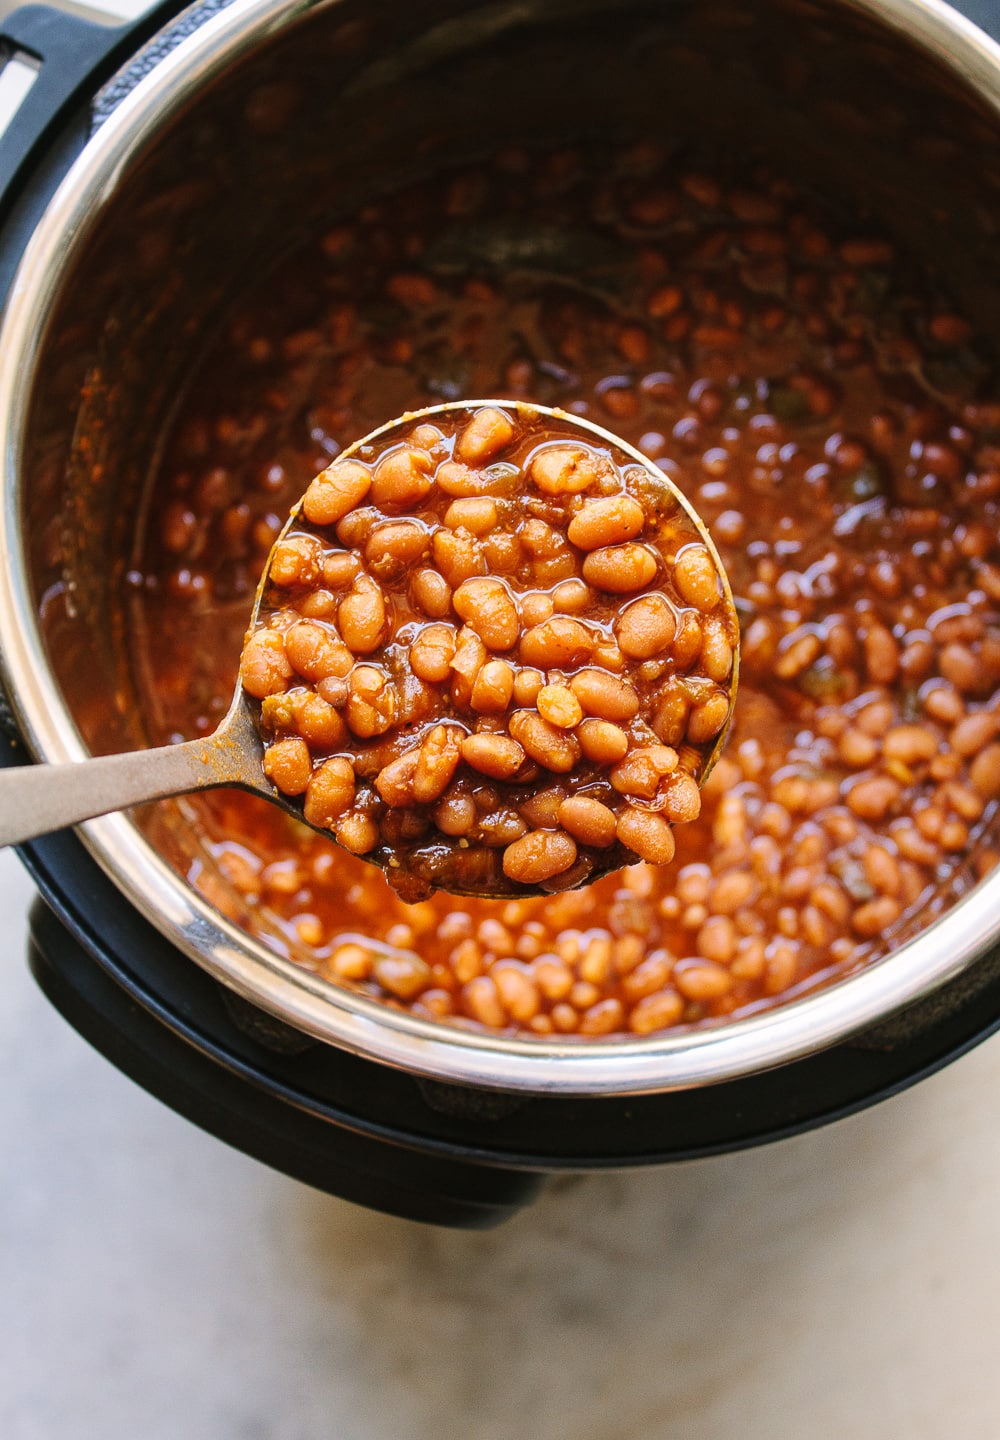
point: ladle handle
(36, 799)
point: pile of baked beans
(829, 413)
(493, 655)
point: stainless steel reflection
(597, 1067)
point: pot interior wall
(352, 100)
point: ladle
(37, 799)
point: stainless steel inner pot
(277, 115)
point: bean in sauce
(461, 647)
(831, 416)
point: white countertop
(156, 1284)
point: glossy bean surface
(832, 416)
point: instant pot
(195, 145)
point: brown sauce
(494, 654)
(826, 411)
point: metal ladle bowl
(37, 799)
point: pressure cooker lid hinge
(152, 53)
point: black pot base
(416, 1148)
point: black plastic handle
(50, 127)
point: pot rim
(733, 1049)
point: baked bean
(527, 685)
(642, 771)
(881, 655)
(319, 724)
(682, 799)
(335, 491)
(372, 704)
(656, 1012)
(553, 978)
(404, 976)
(606, 522)
(316, 653)
(984, 772)
(296, 560)
(468, 660)
(495, 755)
(461, 480)
(492, 688)
(546, 743)
(557, 643)
(432, 652)
(288, 765)
(708, 719)
(330, 792)
(958, 664)
(479, 516)
(857, 749)
(403, 477)
(340, 569)
(875, 917)
(974, 732)
(394, 546)
(670, 719)
(646, 627)
(517, 990)
(541, 540)
(536, 607)
(605, 696)
(486, 605)
(964, 800)
(782, 964)
(361, 617)
(882, 870)
(572, 597)
(395, 781)
(265, 668)
(588, 821)
(696, 578)
(501, 552)
(457, 556)
(884, 596)
(351, 962)
(620, 569)
(488, 432)
(602, 742)
(431, 593)
(319, 605)
(564, 469)
(436, 763)
(701, 980)
(357, 525)
(602, 1018)
(456, 815)
(481, 1002)
(649, 975)
(716, 651)
(357, 833)
(911, 744)
(334, 689)
(559, 706)
(875, 719)
(873, 798)
(732, 891)
(647, 834)
(539, 856)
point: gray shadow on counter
(623, 1306)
